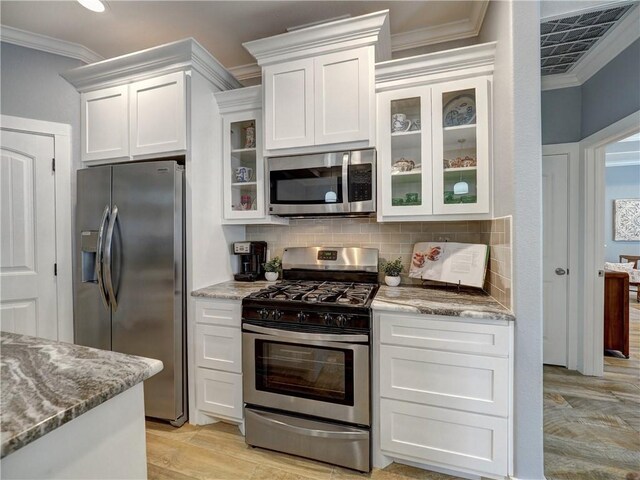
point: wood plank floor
(218, 452)
(592, 425)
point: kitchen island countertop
(46, 384)
(410, 299)
(440, 301)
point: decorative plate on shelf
(460, 110)
(401, 126)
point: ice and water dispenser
(89, 249)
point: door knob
(560, 271)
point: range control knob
(341, 320)
(264, 313)
(302, 317)
(277, 314)
(327, 318)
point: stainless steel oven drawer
(336, 444)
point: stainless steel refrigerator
(130, 281)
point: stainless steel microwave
(335, 183)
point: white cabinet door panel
(219, 312)
(452, 380)
(219, 393)
(105, 123)
(158, 115)
(423, 332)
(288, 90)
(448, 437)
(219, 347)
(343, 82)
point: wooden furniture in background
(634, 259)
(616, 312)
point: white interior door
(555, 204)
(28, 293)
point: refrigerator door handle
(98, 266)
(107, 259)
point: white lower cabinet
(218, 359)
(445, 392)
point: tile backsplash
(395, 240)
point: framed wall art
(627, 220)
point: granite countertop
(430, 301)
(231, 290)
(46, 384)
(437, 301)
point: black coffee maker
(252, 258)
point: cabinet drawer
(431, 434)
(216, 312)
(454, 380)
(425, 332)
(219, 393)
(219, 347)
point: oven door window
(307, 186)
(317, 373)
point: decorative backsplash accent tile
(395, 240)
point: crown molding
(248, 98)
(246, 72)
(340, 35)
(469, 27)
(459, 62)
(181, 55)
(43, 43)
(605, 50)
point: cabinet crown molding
(364, 30)
(456, 63)
(175, 56)
(248, 98)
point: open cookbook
(458, 263)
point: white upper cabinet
(158, 115)
(289, 97)
(319, 88)
(105, 123)
(434, 135)
(136, 106)
(343, 86)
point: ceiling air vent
(565, 40)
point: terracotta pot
(392, 281)
(271, 276)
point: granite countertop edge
(475, 306)
(46, 425)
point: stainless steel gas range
(306, 356)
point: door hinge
(55, 269)
(53, 164)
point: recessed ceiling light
(93, 5)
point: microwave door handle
(345, 181)
(305, 336)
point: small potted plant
(392, 271)
(272, 269)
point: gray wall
(621, 182)
(613, 93)
(571, 114)
(561, 112)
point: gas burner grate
(564, 41)
(353, 294)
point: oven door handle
(263, 417)
(305, 336)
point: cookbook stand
(457, 288)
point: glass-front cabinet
(461, 147)
(434, 149)
(405, 151)
(244, 166)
